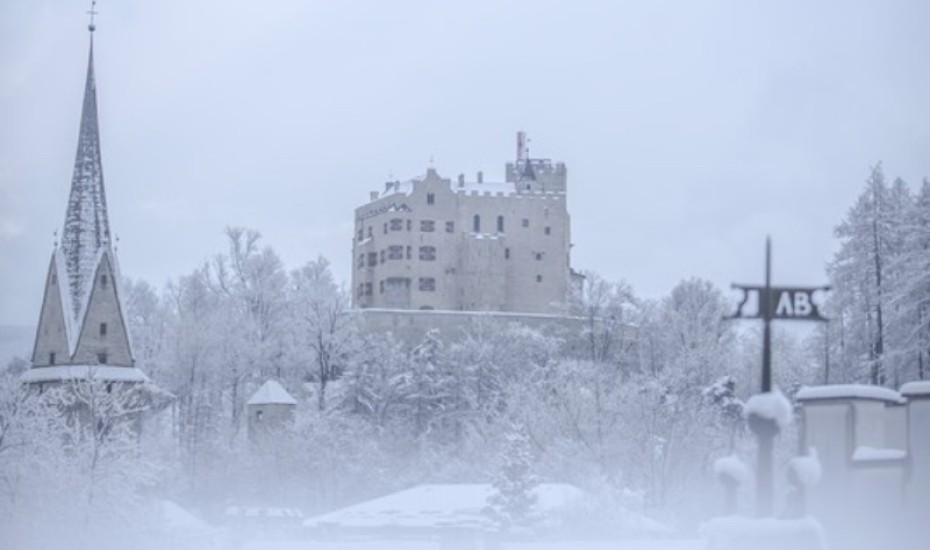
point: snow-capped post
(774, 303)
(732, 473)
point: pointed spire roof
(87, 227)
(528, 173)
(271, 393)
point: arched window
(500, 224)
(476, 224)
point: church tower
(82, 328)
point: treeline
(880, 303)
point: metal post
(764, 481)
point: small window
(548, 230)
(397, 224)
(476, 224)
(369, 232)
(103, 329)
(450, 227)
(103, 281)
(361, 235)
(368, 288)
(109, 387)
(427, 226)
(526, 222)
(539, 278)
(361, 261)
(381, 287)
(428, 253)
(506, 253)
(102, 358)
(430, 198)
(259, 415)
(539, 256)
(427, 308)
(395, 252)
(385, 228)
(361, 291)
(500, 224)
(372, 259)
(382, 256)
(51, 358)
(409, 252)
(409, 225)
(427, 284)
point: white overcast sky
(690, 129)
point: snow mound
(771, 405)
(740, 533)
(733, 468)
(871, 454)
(914, 389)
(271, 393)
(806, 469)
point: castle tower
(82, 329)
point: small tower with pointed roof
(82, 329)
(271, 409)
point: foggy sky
(690, 129)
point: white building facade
(431, 243)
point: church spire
(87, 229)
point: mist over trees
(633, 405)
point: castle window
(427, 226)
(361, 291)
(427, 284)
(526, 222)
(259, 415)
(409, 225)
(102, 357)
(428, 253)
(361, 261)
(109, 387)
(385, 228)
(500, 224)
(409, 252)
(539, 256)
(103, 281)
(539, 278)
(395, 252)
(427, 308)
(382, 256)
(506, 253)
(368, 288)
(430, 198)
(103, 329)
(450, 227)
(397, 224)
(369, 232)
(548, 230)
(51, 358)
(372, 259)
(361, 235)
(381, 287)
(476, 224)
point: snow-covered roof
(914, 389)
(436, 506)
(104, 373)
(849, 391)
(271, 393)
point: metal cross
(91, 26)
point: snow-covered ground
(436, 545)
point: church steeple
(82, 321)
(87, 227)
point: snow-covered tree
(512, 504)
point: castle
(434, 244)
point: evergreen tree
(511, 504)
